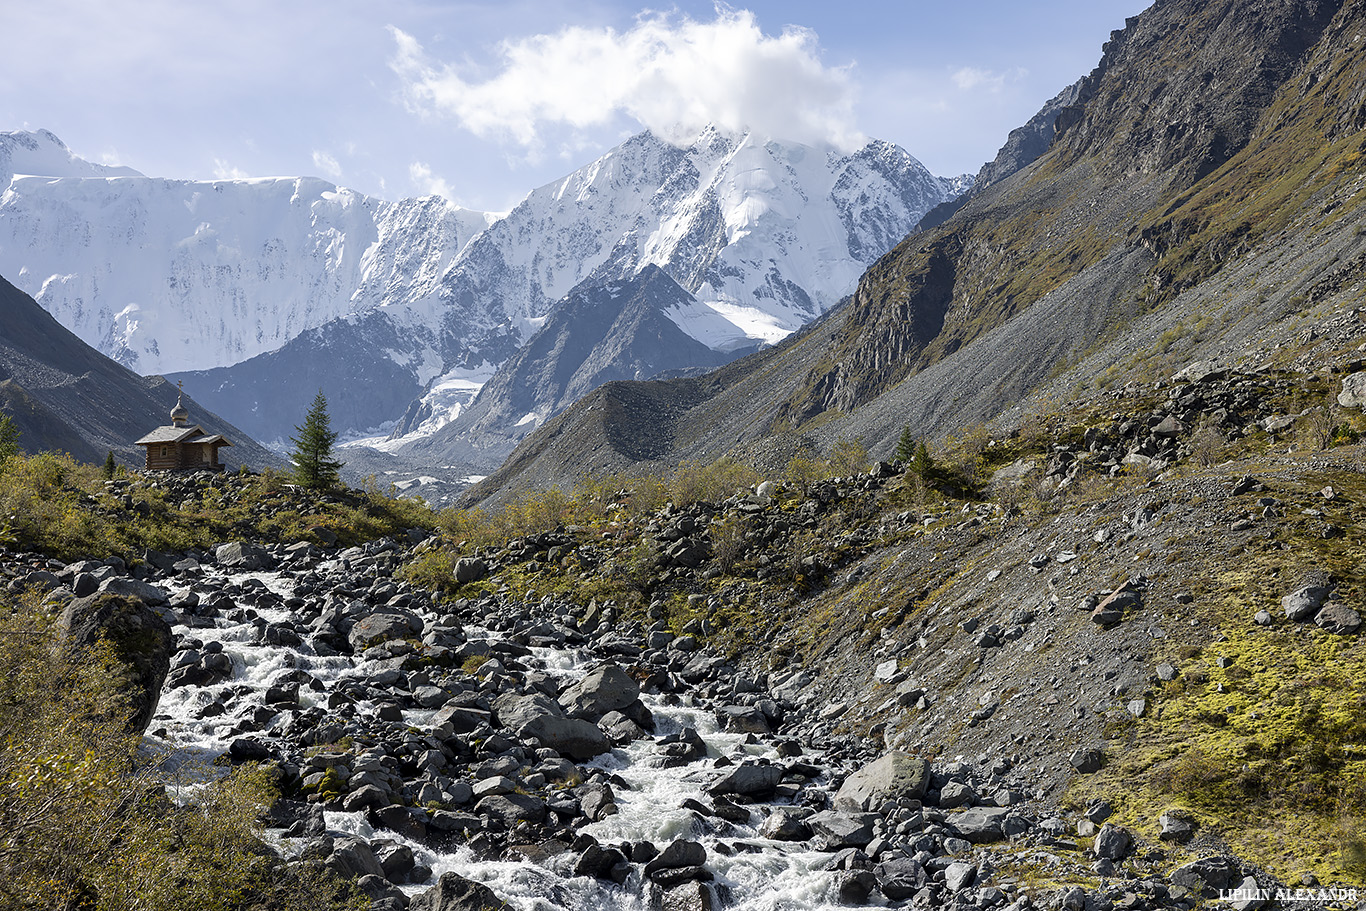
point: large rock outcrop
(139, 640)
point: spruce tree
(9, 437)
(314, 466)
(905, 447)
(110, 466)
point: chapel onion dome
(179, 414)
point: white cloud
(428, 183)
(970, 78)
(327, 163)
(671, 74)
(224, 171)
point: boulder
(352, 858)
(145, 592)
(470, 569)
(900, 878)
(384, 626)
(607, 688)
(959, 876)
(140, 642)
(1112, 842)
(453, 892)
(573, 737)
(784, 825)
(514, 710)
(1087, 760)
(837, 831)
(679, 854)
(243, 556)
(1303, 603)
(512, 808)
(979, 825)
(749, 779)
(893, 775)
(1336, 617)
(1353, 394)
(1208, 875)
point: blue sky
(484, 101)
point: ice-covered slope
(43, 153)
(255, 291)
(170, 275)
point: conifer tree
(905, 447)
(9, 437)
(314, 466)
(110, 467)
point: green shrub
(86, 820)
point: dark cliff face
(1026, 143)
(1181, 87)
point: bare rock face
(140, 640)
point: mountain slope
(66, 396)
(1185, 210)
(617, 330)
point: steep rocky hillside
(1198, 203)
(66, 396)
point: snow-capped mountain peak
(257, 290)
(41, 154)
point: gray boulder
(514, 710)
(979, 825)
(512, 808)
(1208, 875)
(676, 856)
(243, 556)
(1303, 603)
(784, 825)
(900, 878)
(1353, 394)
(1336, 617)
(836, 831)
(140, 642)
(384, 626)
(749, 779)
(135, 588)
(1112, 842)
(470, 569)
(352, 858)
(959, 876)
(607, 688)
(891, 776)
(572, 737)
(453, 892)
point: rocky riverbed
(469, 753)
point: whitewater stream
(751, 873)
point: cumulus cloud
(971, 78)
(429, 184)
(669, 73)
(327, 163)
